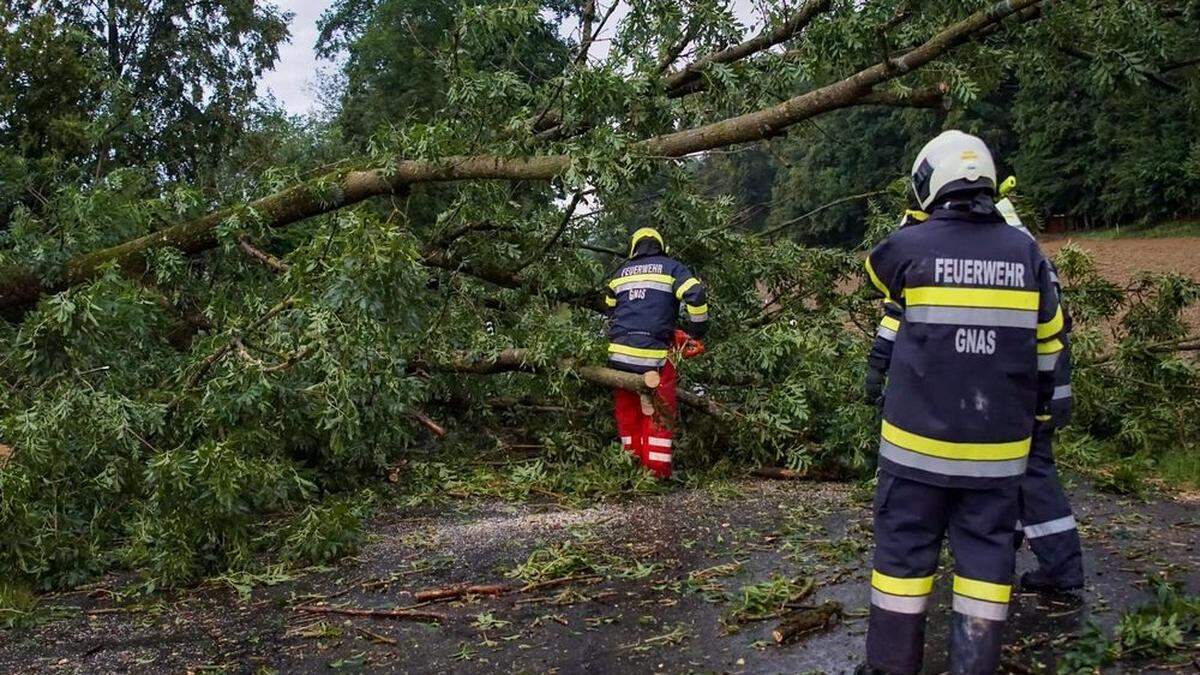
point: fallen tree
(185, 399)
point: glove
(873, 387)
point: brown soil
(1120, 260)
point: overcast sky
(294, 78)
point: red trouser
(648, 437)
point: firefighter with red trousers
(970, 380)
(643, 300)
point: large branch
(765, 40)
(20, 286)
(520, 360)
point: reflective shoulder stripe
(1050, 347)
(875, 279)
(685, 286)
(614, 348)
(982, 590)
(1052, 327)
(658, 278)
(980, 609)
(951, 467)
(1056, 526)
(890, 323)
(952, 450)
(901, 604)
(900, 585)
(610, 301)
(698, 309)
(989, 298)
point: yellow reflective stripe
(989, 298)
(1043, 418)
(982, 590)
(890, 322)
(610, 301)
(951, 450)
(614, 348)
(919, 216)
(698, 309)
(875, 279)
(901, 586)
(621, 281)
(1051, 347)
(683, 288)
(1053, 327)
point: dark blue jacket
(880, 356)
(643, 298)
(976, 322)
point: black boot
(974, 645)
(1038, 581)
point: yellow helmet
(646, 233)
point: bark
(21, 286)
(262, 256)
(408, 614)
(459, 590)
(763, 41)
(808, 621)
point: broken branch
(402, 614)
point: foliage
(768, 599)
(164, 414)
(1162, 627)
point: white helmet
(952, 162)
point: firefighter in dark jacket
(643, 299)
(1046, 520)
(975, 348)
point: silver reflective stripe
(995, 611)
(952, 467)
(658, 457)
(886, 333)
(902, 604)
(659, 442)
(973, 316)
(652, 285)
(697, 318)
(1062, 392)
(627, 440)
(1064, 524)
(636, 360)
(1047, 362)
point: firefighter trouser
(1045, 516)
(648, 436)
(911, 519)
